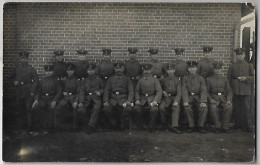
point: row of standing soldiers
(130, 90)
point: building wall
(43, 27)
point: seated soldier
(171, 86)
(46, 99)
(118, 97)
(90, 99)
(148, 95)
(220, 98)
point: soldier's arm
(184, 91)
(229, 91)
(58, 93)
(130, 90)
(203, 91)
(178, 96)
(35, 81)
(77, 91)
(38, 91)
(250, 78)
(158, 89)
(208, 89)
(107, 90)
(137, 90)
(82, 92)
(229, 74)
(101, 86)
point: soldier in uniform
(194, 94)
(181, 67)
(81, 65)
(220, 98)
(158, 68)
(59, 65)
(90, 99)
(132, 66)
(171, 86)
(68, 105)
(118, 97)
(106, 68)
(241, 77)
(47, 97)
(148, 95)
(205, 67)
(25, 80)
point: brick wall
(43, 27)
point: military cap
(217, 65)
(70, 66)
(48, 67)
(153, 51)
(239, 51)
(179, 51)
(24, 54)
(207, 48)
(118, 65)
(82, 51)
(59, 52)
(92, 66)
(147, 66)
(170, 66)
(106, 51)
(132, 50)
(192, 64)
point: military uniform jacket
(148, 89)
(49, 87)
(236, 70)
(59, 69)
(88, 88)
(205, 67)
(118, 90)
(171, 85)
(132, 69)
(181, 68)
(105, 69)
(194, 87)
(71, 86)
(158, 67)
(219, 89)
(81, 69)
(27, 77)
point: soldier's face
(241, 57)
(178, 56)
(48, 73)
(70, 72)
(91, 72)
(59, 58)
(23, 59)
(192, 70)
(132, 56)
(119, 70)
(207, 54)
(106, 56)
(217, 71)
(154, 56)
(147, 71)
(82, 57)
(170, 71)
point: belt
(219, 93)
(172, 94)
(82, 78)
(23, 83)
(104, 77)
(71, 93)
(157, 76)
(47, 94)
(119, 93)
(59, 78)
(193, 93)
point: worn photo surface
(129, 82)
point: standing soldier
(118, 97)
(25, 80)
(205, 67)
(59, 65)
(81, 65)
(106, 68)
(158, 68)
(148, 95)
(68, 105)
(47, 97)
(171, 86)
(194, 93)
(220, 97)
(132, 66)
(241, 77)
(90, 99)
(181, 67)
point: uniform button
(47, 94)
(117, 93)
(155, 76)
(105, 77)
(82, 78)
(78, 78)
(22, 83)
(192, 94)
(89, 93)
(146, 95)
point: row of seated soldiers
(130, 89)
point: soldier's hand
(16, 83)
(213, 101)
(165, 94)
(53, 104)
(35, 103)
(229, 103)
(124, 105)
(106, 104)
(80, 105)
(65, 93)
(74, 105)
(128, 103)
(185, 104)
(202, 105)
(97, 93)
(137, 102)
(242, 78)
(154, 103)
(175, 104)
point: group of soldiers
(125, 93)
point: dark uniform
(158, 68)
(90, 87)
(171, 87)
(219, 94)
(49, 92)
(133, 67)
(59, 66)
(181, 67)
(68, 105)
(105, 69)
(242, 90)
(81, 66)
(148, 91)
(205, 67)
(194, 92)
(25, 79)
(119, 93)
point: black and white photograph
(139, 82)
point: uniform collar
(119, 75)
